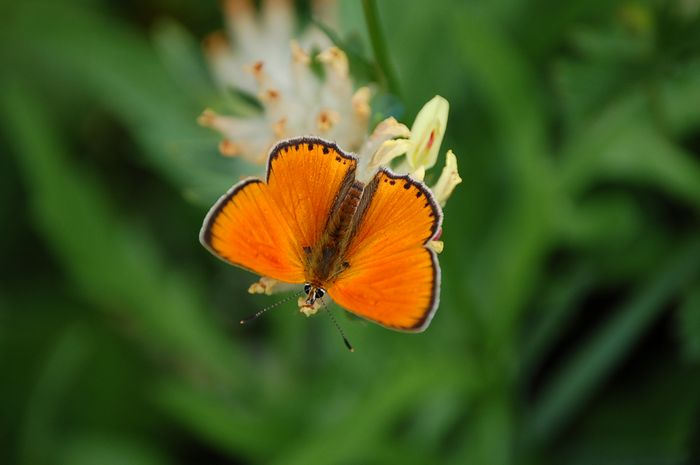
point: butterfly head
(311, 304)
(313, 292)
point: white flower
(264, 59)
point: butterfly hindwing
(266, 227)
(392, 277)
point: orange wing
(265, 227)
(393, 278)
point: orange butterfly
(312, 222)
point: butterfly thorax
(326, 259)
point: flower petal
(326, 119)
(229, 148)
(269, 286)
(264, 285)
(389, 150)
(308, 309)
(436, 246)
(427, 132)
(226, 64)
(449, 178)
(242, 25)
(335, 61)
(251, 136)
(386, 130)
(390, 129)
(278, 21)
(360, 104)
(419, 173)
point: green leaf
(105, 449)
(571, 386)
(114, 267)
(650, 417)
(554, 314)
(219, 420)
(370, 421)
(635, 152)
(41, 425)
(506, 83)
(130, 82)
(182, 56)
(678, 94)
(688, 324)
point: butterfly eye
(320, 293)
(307, 288)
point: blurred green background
(569, 328)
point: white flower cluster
(260, 56)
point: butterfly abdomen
(326, 258)
(344, 215)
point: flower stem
(376, 37)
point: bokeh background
(569, 328)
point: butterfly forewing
(269, 227)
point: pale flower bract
(427, 132)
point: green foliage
(568, 330)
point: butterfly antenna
(337, 326)
(257, 314)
